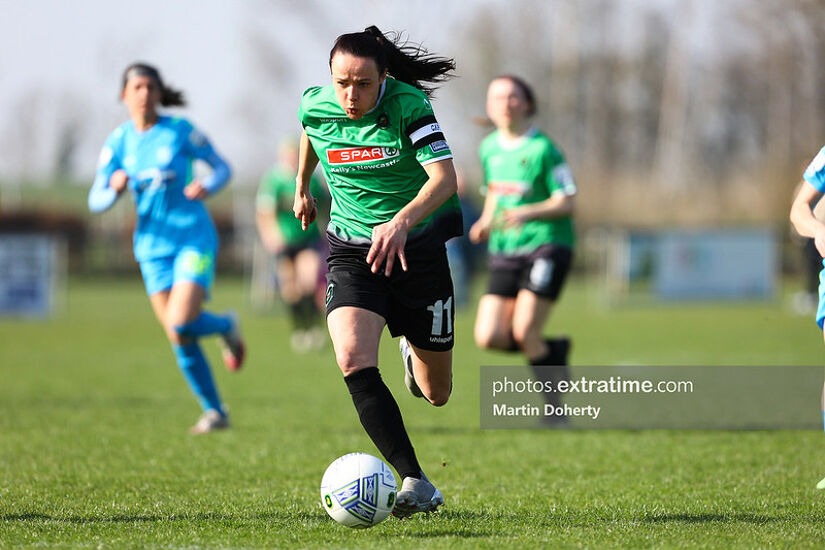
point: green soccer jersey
(277, 193)
(527, 171)
(374, 165)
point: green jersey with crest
(276, 193)
(374, 165)
(530, 170)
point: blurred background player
(298, 252)
(393, 186)
(528, 220)
(808, 225)
(464, 256)
(175, 241)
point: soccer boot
(416, 495)
(233, 349)
(210, 421)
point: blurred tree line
(687, 112)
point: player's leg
(493, 323)
(307, 267)
(493, 328)
(540, 286)
(194, 273)
(183, 306)
(355, 334)
(530, 313)
(290, 294)
(820, 315)
(433, 373)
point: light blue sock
(823, 419)
(205, 324)
(198, 375)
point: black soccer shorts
(543, 272)
(417, 303)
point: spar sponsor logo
(520, 188)
(357, 155)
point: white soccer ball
(358, 490)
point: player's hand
(513, 217)
(480, 231)
(273, 244)
(388, 240)
(118, 181)
(195, 191)
(305, 208)
(819, 240)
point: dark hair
(525, 89)
(406, 62)
(169, 97)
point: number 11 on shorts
(439, 309)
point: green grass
(94, 449)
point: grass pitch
(94, 449)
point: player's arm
(201, 148)
(561, 202)
(802, 215)
(558, 205)
(480, 230)
(305, 206)
(388, 239)
(266, 205)
(110, 181)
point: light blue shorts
(189, 264)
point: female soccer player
(527, 218)
(807, 225)
(175, 241)
(297, 251)
(394, 204)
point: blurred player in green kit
(528, 221)
(298, 252)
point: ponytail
(169, 97)
(406, 62)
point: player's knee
(350, 361)
(486, 339)
(439, 400)
(438, 397)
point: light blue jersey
(815, 175)
(159, 163)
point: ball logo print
(358, 490)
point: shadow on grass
(151, 518)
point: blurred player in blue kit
(807, 225)
(175, 241)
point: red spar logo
(352, 155)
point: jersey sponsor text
(352, 155)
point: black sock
(309, 312)
(295, 315)
(513, 345)
(549, 368)
(382, 420)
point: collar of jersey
(145, 132)
(515, 144)
(380, 95)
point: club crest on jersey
(383, 121)
(355, 155)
